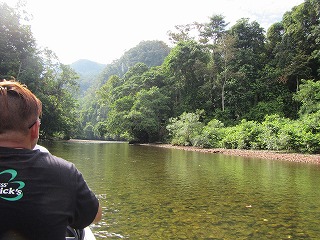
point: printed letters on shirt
(10, 188)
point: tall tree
(182, 33)
(297, 52)
(211, 32)
(57, 93)
(40, 70)
(221, 45)
(17, 44)
(226, 52)
(249, 59)
(187, 64)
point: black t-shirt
(41, 194)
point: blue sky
(102, 30)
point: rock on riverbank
(263, 154)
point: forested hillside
(230, 86)
(93, 110)
(88, 72)
(237, 86)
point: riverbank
(263, 154)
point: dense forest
(227, 86)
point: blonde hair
(19, 107)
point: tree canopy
(53, 82)
(218, 85)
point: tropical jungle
(216, 85)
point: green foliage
(273, 137)
(249, 85)
(151, 53)
(309, 133)
(186, 65)
(17, 43)
(244, 86)
(137, 110)
(141, 116)
(60, 118)
(236, 76)
(186, 129)
(93, 109)
(300, 135)
(274, 133)
(212, 134)
(54, 83)
(309, 97)
(146, 114)
(214, 30)
(259, 111)
(297, 45)
(118, 122)
(89, 131)
(242, 136)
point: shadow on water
(156, 193)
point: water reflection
(155, 193)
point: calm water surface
(155, 193)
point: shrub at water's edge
(274, 133)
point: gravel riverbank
(263, 154)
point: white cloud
(102, 30)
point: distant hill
(151, 53)
(86, 67)
(88, 71)
(92, 74)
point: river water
(156, 193)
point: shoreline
(262, 154)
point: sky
(102, 30)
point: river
(157, 193)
